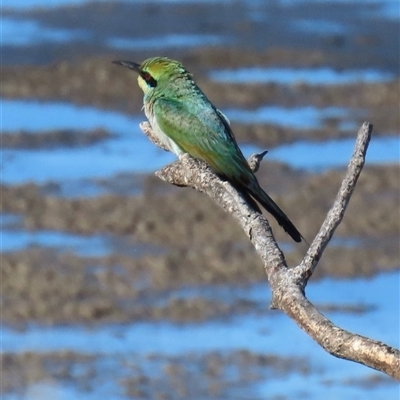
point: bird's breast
(162, 137)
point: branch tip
(255, 159)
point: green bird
(185, 121)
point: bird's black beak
(128, 64)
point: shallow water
(290, 76)
(87, 246)
(166, 41)
(28, 115)
(74, 172)
(269, 333)
(129, 151)
(26, 4)
(105, 161)
(17, 32)
(318, 157)
(248, 332)
(307, 117)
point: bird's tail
(256, 191)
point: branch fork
(288, 285)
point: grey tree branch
(287, 285)
(335, 214)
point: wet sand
(179, 240)
(206, 246)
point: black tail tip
(296, 237)
(291, 230)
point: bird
(186, 121)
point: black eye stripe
(149, 79)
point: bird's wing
(204, 134)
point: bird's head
(154, 72)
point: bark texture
(288, 285)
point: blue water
(23, 4)
(16, 240)
(271, 333)
(96, 246)
(35, 116)
(166, 41)
(99, 161)
(381, 322)
(10, 220)
(299, 117)
(318, 157)
(20, 32)
(290, 76)
(319, 26)
(86, 246)
(17, 32)
(14, 237)
(26, 4)
(388, 9)
(129, 151)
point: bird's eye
(149, 79)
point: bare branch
(336, 213)
(288, 285)
(255, 160)
(335, 340)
